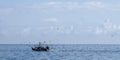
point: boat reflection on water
(40, 47)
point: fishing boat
(40, 47)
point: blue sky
(64, 21)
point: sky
(60, 21)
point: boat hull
(40, 49)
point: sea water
(61, 52)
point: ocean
(61, 52)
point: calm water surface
(61, 52)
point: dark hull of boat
(42, 49)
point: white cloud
(94, 5)
(108, 27)
(54, 3)
(98, 31)
(51, 20)
(74, 5)
(62, 6)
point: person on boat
(47, 47)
